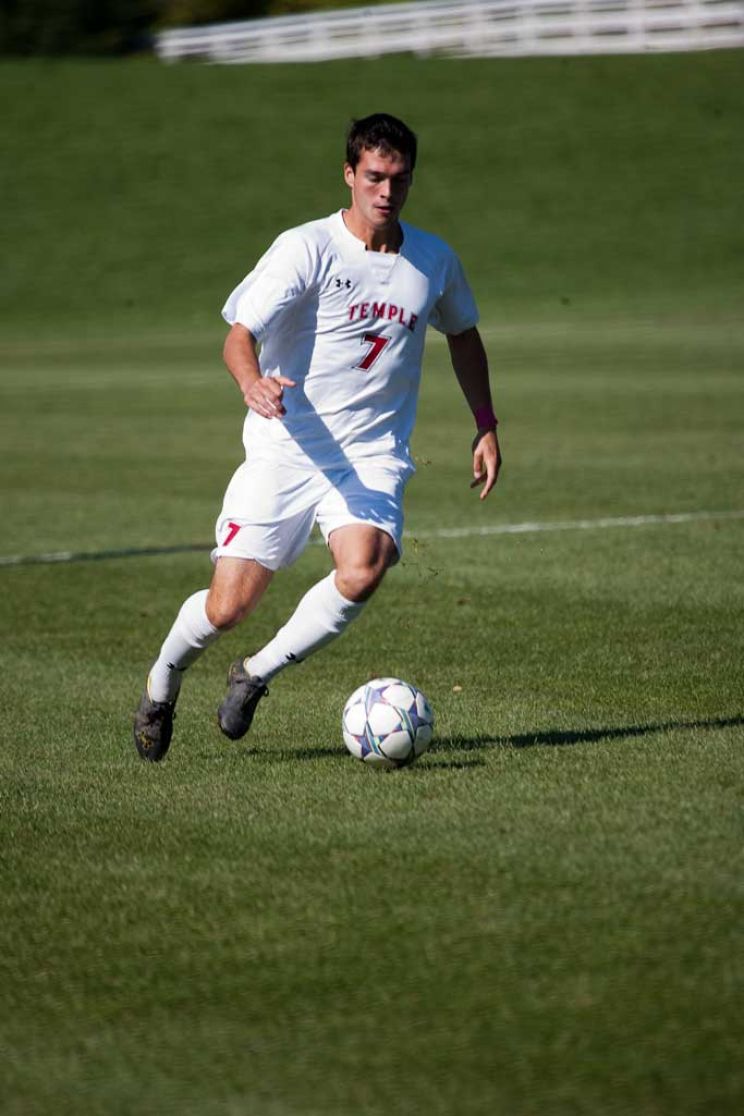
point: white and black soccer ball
(387, 723)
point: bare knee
(237, 587)
(223, 612)
(361, 555)
(357, 581)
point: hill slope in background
(137, 194)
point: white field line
(573, 525)
(529, 528)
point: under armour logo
(343, 283)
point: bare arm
(262, 394)
(471, 368)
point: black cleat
(153, 727)
(244, 692)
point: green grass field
(544, 914)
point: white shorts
(269, 508)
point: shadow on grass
(551, 738)
(284, 755)
(558, 738)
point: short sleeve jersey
(347, 325)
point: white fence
(475, 28)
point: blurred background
(595, 200)
(120, 26)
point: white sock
(322, 615)
(191, 634)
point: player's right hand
(264, 396)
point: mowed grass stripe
(63, 556)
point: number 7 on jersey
(376, 344)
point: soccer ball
(387, 723)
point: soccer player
(325, 344)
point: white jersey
(347, 325)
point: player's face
(379, 187)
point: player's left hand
(486, 461)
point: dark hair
(380, 132)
